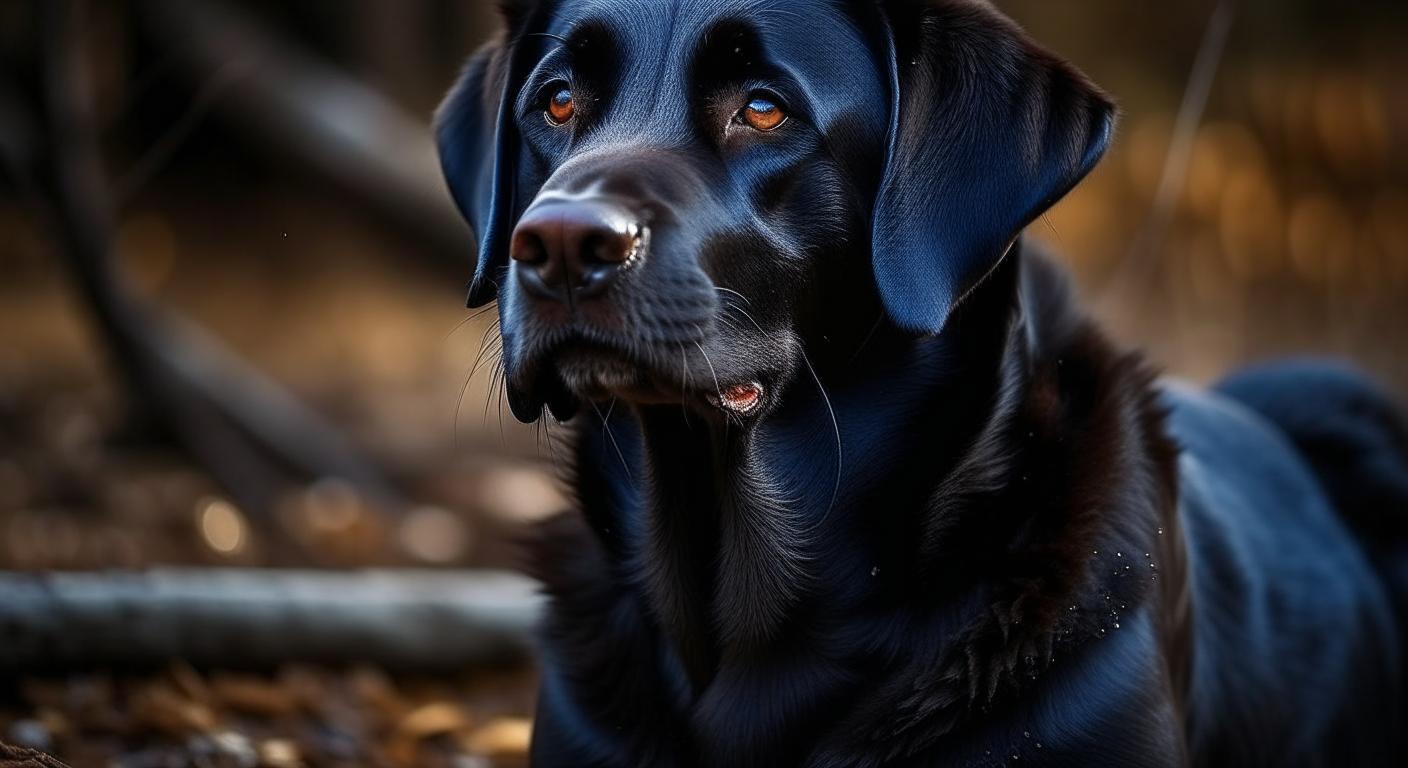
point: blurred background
(233, 346)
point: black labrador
(859, 485)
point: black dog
(858, 484)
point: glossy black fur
(960, 528)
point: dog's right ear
(478, 143)
(988, 131)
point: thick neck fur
(742, 524)
(1022, 531)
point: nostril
(536, 269)
(529, 248)
(604, 247)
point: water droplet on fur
(875, 571)
(1119, 554)
(1038, 745)
(1027, 734)
(1161, 531)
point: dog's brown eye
(561, 107)
(763, 114)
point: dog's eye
(561, 107)
(762, 114)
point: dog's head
(662, 190)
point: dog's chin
(595, 374)
(562, 379)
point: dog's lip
(741, 399)
(593, 369)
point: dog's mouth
(576, 370)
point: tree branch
(252, 436)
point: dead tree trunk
(253, 437)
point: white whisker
(612, 437)
(836, 428)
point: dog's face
(667, 194)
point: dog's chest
(771, 709)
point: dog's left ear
(988, 131)
(474, 134)
(478, 143)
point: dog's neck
(746, 541)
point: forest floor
(380, 351)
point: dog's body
(859, 484)
(1071, 588)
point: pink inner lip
(741, 398)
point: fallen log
(404, 620)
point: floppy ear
(476, 138)
(478, 143)
(987, 132)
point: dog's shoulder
(1056, 516)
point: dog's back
(1297, 646)
(1356, 441)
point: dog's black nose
(573, 249)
